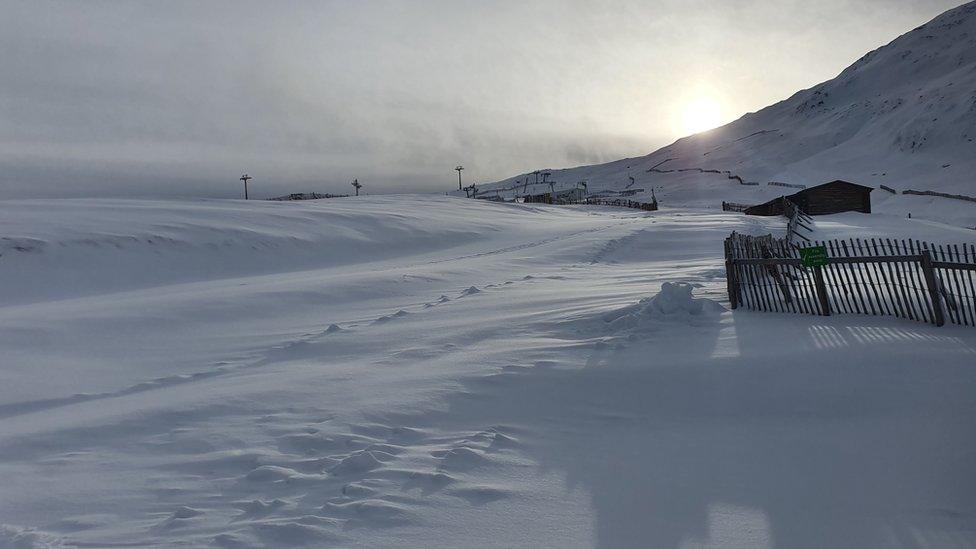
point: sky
(179, 98)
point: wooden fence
(797, 220)
(790, 185)
(734, 206)
(646, 206)
(943, 195)
(620, 202)
(908, 279)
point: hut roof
(834, 182)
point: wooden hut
(829, 198)
(773, 207)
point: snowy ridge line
(914, 280)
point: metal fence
(908, 279)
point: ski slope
(423, 371)
(903, 116)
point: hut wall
(834, 198)
(773, 207)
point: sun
(701, 114)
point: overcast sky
(133, 98)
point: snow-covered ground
(438, 372)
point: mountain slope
(903, 115)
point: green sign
(814, 256)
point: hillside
(903, 116)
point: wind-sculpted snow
(567, 378)
(70, 248)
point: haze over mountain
(177, 98)
(903, 115)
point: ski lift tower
(458, 170)
(245, 178)
(355, 183)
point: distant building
(829, 198)
(570, 196)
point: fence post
(933, 285)
(818, 283)
(730, 279)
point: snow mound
(674, 302)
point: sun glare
(700, 115)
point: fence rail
(908, 279)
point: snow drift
(674, 303)
(71, 248)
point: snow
(431, 371)
(673, 303)
(902, 116)
(417, 371)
